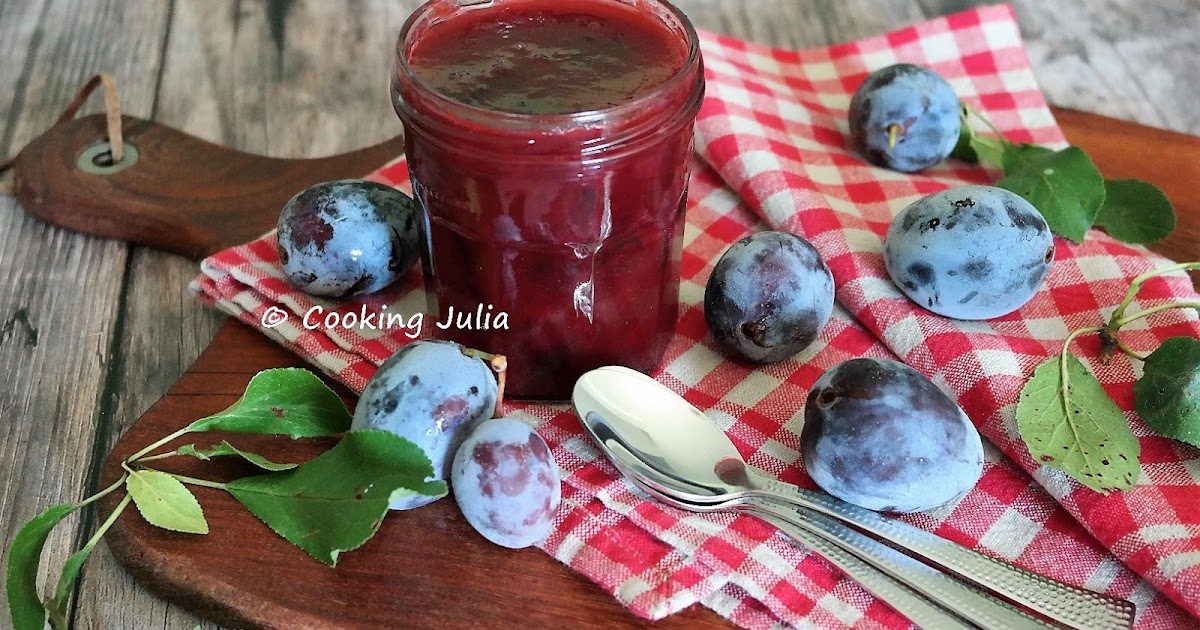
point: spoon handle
(1072, 606)
(976, 607)
(917, 609)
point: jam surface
(547, 58)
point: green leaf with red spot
(285, 401)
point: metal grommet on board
(97, 159)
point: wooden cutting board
(426, 567)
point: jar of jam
(548, 143)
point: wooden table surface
(92, 331)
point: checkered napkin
(772, 136)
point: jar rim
(558, 122)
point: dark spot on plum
(1049, 254)
(921, 272)
(283, 255)
(414, 380)
(964, 203)
(1025, 220)
(452, 411)
(827, 397)
(363, 282)
(979, 269)
(495, 477)
(473, 390)
(886, 77)
(968, 297)
(910, 285)
(756, 332)
(1034, 279)
(396, 261)
(310, 228)
(933, 224)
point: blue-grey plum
(506, 483)
(904, 117)
(431, 393)
(971, 252)
(347, 237)
(879, 435)
(768, 297)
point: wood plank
(21, 33)
(1121, 58)
(60, 291)
(227, 78)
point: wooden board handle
(182, 194)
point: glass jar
(553, 238)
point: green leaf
(337, 501)
(1167, 396)
(990, 151)
(284, 401)
(72, 567)
(1135, 212)
(66, 582)
(165, 502)
(1063, 185)
(1079, 430)
(24, 606)
(963, 150)
(225, 448)
(1018, 156)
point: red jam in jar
(548, 144)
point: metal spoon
(685, 450)
(916, 608)
(818, 533)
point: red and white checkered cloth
(773, 134)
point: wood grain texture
(304, 79)
(60, 293)
(226, 80)
(183, 195)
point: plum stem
(138, 455)
(1118, 318)
(197, 482)
(1117, 323)
(499, 365)
(893, 132)
(1130, 352)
